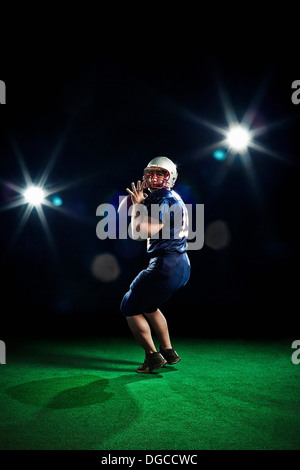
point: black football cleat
(153, 361)
(170, 355)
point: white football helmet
(154, 179)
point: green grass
(82, 394)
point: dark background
(95, 112)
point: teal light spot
(57, 201)
(219, 154)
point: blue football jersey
(168, 207)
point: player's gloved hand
(137, 194)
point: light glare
(238, 138)
(34, 195)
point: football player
(164, 224)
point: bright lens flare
(34, 195)
(238, 138)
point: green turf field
(85, 394)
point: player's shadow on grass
(74, 391)
(74, 412)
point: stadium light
(238, 138)
(34, 195)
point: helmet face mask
(160, 173)
(156, 178)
